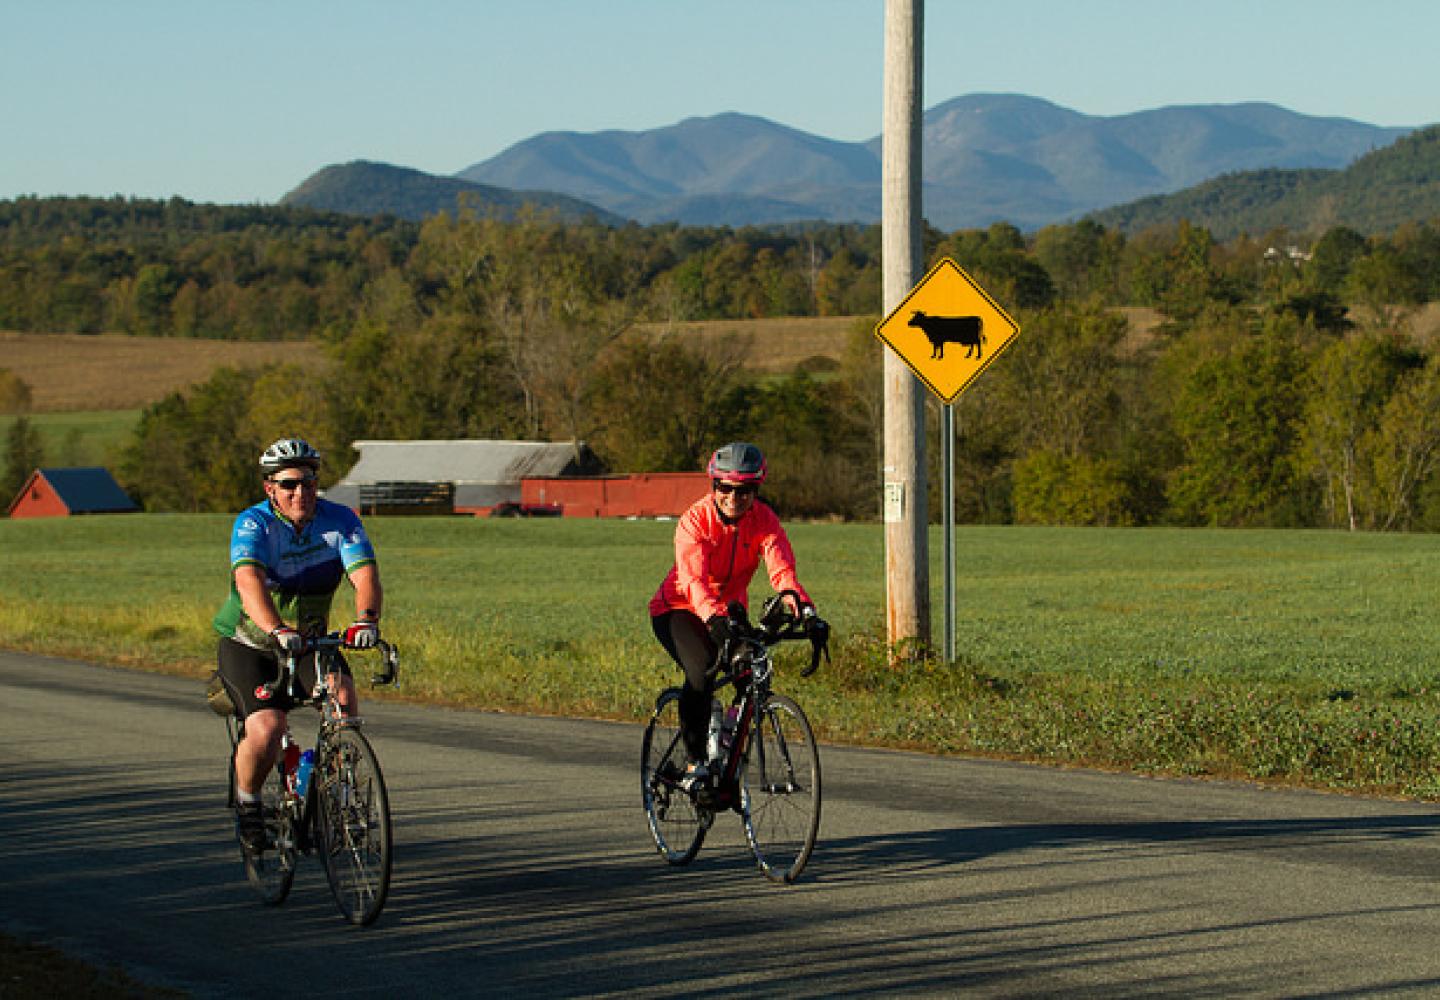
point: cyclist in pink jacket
(719, 544)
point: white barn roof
(463, 462)
(484, 472)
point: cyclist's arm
(780, 564)
(255, 597)
(692, 572)
(369, 595)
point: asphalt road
(524, 867)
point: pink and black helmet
(738, 462)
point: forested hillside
(1285, 385)
(367, 189)
(1378, 193)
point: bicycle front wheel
(271, 871)
(352, 824)
(780, 789)
(677, 823)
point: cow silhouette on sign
(941, 330)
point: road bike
(339, 809)
(765, 763)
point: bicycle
(340, 808)
(770, 771)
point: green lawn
(1294, 656)
(82, 438)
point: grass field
(79, 437)
(1300, 657)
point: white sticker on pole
(894, 503)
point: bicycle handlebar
(389, 656)
(778, 624)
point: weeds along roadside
(1296, 658)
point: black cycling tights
(686, 639)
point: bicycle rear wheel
(352, 824)
(272, 871)
(677, 823)
(780, 786)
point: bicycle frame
(360, 879)
(749, 672)
(322, 696)
(770, 772)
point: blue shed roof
(89, 490)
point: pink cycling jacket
(715, 561)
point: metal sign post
(947, 470)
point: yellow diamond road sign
(948, 330)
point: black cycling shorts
(244, 668)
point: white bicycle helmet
(288, 453)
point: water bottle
(302, 772)
(289, 760)
(727, 727)
(713, 746)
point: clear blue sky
(237, 101)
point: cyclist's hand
(817, 629)
(362, 634)
(287, 640)
(722, 629)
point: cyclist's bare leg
(256, 753)
(344, 694)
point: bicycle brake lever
(819, 643)
(286, 677)
(390, 656)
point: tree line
(1284, 386)
(87, 265)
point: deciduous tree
(24, 453)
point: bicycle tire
(677, 823)
(352, 824)
(272, 871)
(780, 789)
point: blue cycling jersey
(303, 567)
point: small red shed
(62, 492)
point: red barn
(643, 494)
(62, 492)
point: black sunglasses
(291, 485)
(745, 490)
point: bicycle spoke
(354, 826)
(781, 790)
(271, 872)
(677, 823)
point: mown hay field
(75, 372)
(70, 372)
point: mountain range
(986, 158)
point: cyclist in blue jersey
(288, 555)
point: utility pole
(907, 562)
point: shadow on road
(492, 895)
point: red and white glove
(287, 640)
(362, 634)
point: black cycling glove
(722, 629)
